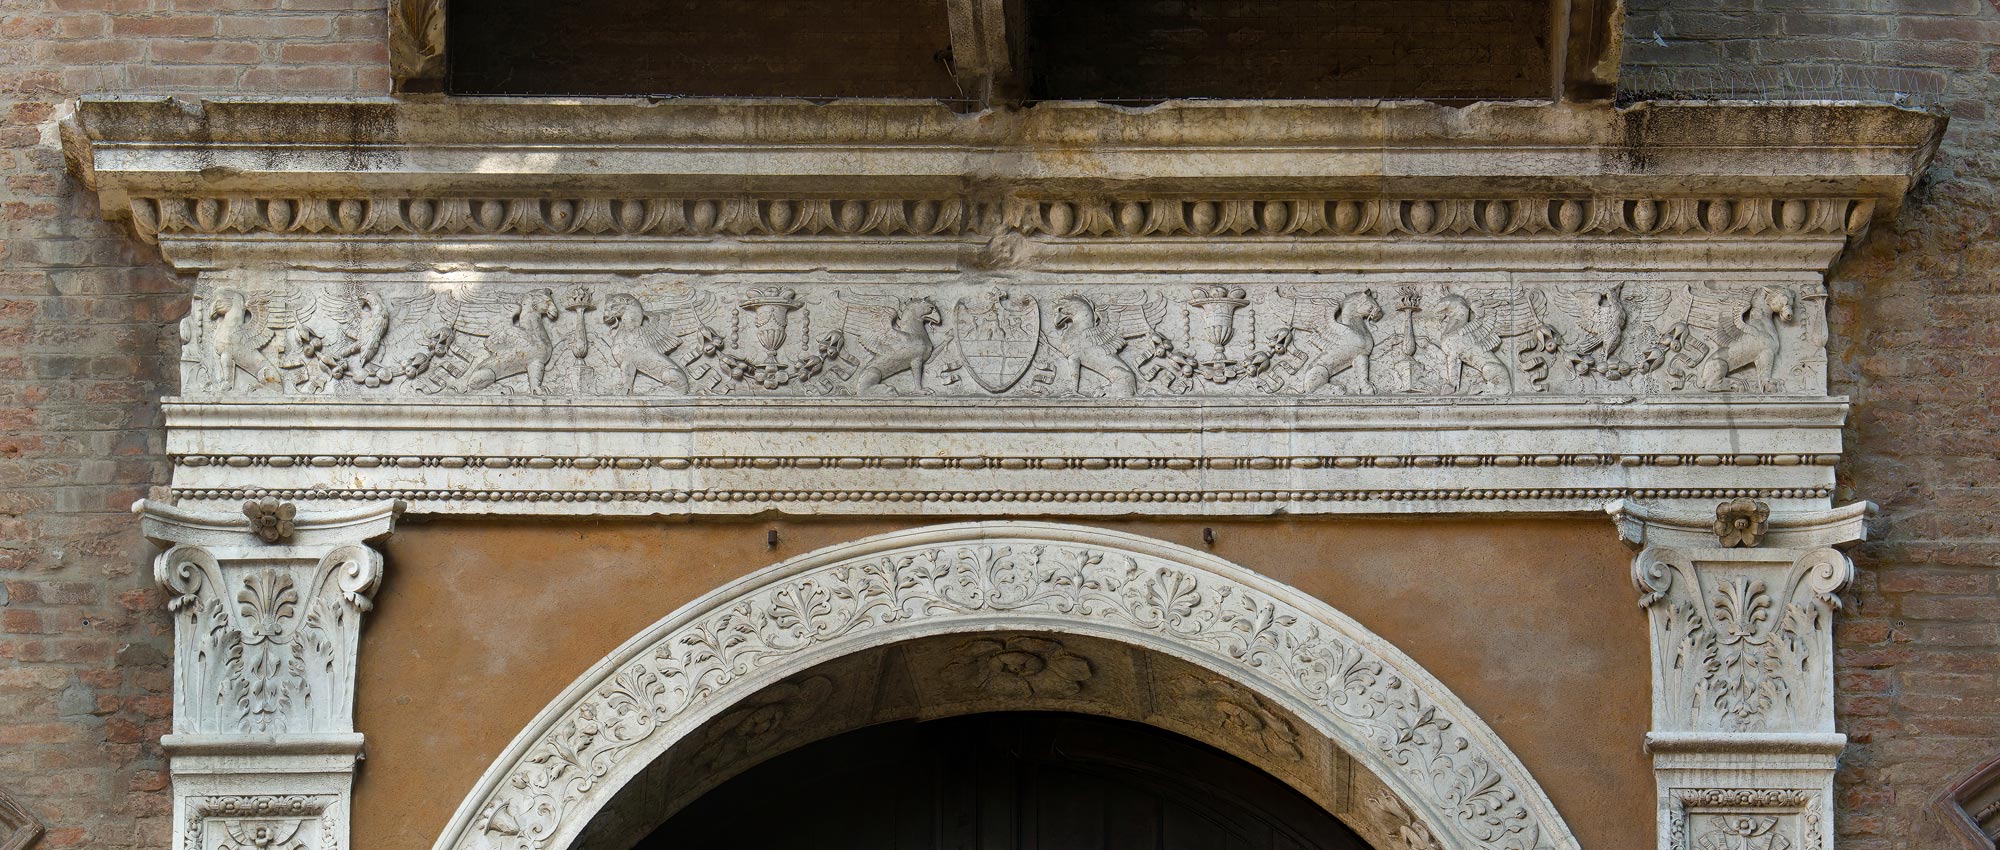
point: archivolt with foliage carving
(1390, 714)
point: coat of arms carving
(998, 336)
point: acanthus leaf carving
(1431, 750)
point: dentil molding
(1741, 603)
(267, 606)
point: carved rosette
(267, 607)
(1741, 604)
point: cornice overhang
(1493, 171)
(887, 307)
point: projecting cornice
(886, 307)
(283, 181)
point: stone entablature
(878, 307)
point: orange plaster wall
(1532, 622)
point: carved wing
(1647, 304)
(1498, 315)
(1721, 313)
(684, 316)
(868, 318)
(340, 304)
(1133, 315)
(279, 310)
(478, 314)
(415, 309)
(1310, 313)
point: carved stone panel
(1741, 604)
(1008, 336)
(1014, 391)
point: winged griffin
(1469, 339)
(1745, 335)
(240, 334)
(1085, 339)
(519, 335)
(1336, 332)
(640, 341)
(895, 332)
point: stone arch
(1464, 789)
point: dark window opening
(738, 48)
(1147, 50)
(1111, 50)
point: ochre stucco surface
(481, 623)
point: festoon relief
(963, 337)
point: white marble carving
(267, 607)
(1264, 643)
(402, 337)
(1741, 604)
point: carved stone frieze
(1375, 704)
(1741, 602)
(267, 606)
(402, 337)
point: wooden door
(1013, 781)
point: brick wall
(1916, 313)
(86, 336)
(86, 327)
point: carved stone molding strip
(19, 829)
(1207, 502)
(1060, 218)
(1969, 809)
(977, 462)
(1384, 710)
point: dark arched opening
(1005, 781)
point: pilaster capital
(267, 608)
(1741, 603)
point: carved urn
(769, 309)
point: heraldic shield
(998, 336)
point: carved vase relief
(1000, 338)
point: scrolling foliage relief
(1375, 710)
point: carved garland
(1376, 703)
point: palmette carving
(1745, 647)
(1033, 340)
(268, 649)
(931, 588)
